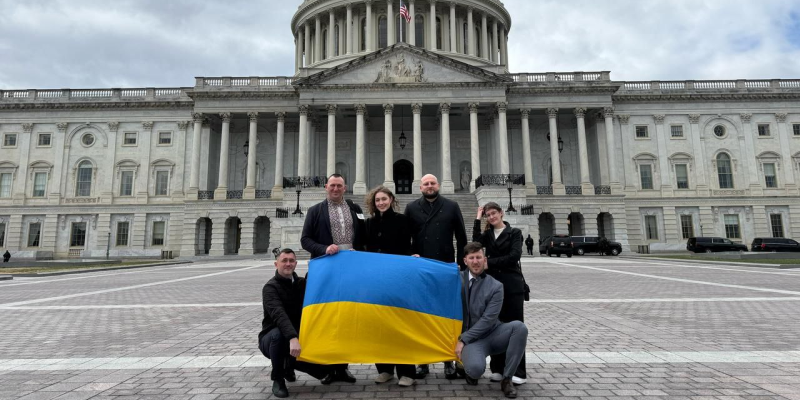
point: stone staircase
(466, 201)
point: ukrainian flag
(364, 308)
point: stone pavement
(600, 328)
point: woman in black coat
(503, 246)
(388, 233)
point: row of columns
(313, 27)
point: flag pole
(401, 22)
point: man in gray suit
(482, 334)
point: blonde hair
(369, 201)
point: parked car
(713, 245)
(556, 244)
(592, 244)
(775, 245)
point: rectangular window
(126, 183)
(687, 226)
(130, 139)
(776, 222)
(770, 178)
(34, 232)
(676, 131)
(641, 132)
(732, 229)
(5, 186)
(122, 233)
(162, 183)
(763, 130)
(682, 176)
(158, 233)
(651, 227)
(78, 235)
(165, 138)
(10, 140)
(646, 173)
(44, 139)
(39, 184)
(796, 129)
(84, 186)
(2, 235)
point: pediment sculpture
(400, 72)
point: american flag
(404, 12)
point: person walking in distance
(529, 245)
(434, 220)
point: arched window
(466, 39)
(439, 33)
(83, 188)
(419, 31)
(325, 44)
(363, 34)
(724, 171)
(336, 40)
(382, 34)
(398, 21)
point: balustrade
(602, 190)
(544, 190)
(304, 182)
(499, 180)
(574, 190)
(205, 195)
(234, 194)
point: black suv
(713, 245)
(591, 244)
(556, 244)
(775, 245)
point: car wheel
(614, 252)
(708, 251)
(580, 252)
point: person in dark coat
(6, 256)
(529, 245)
(387, 233)
(433, 221)
(279, 340)
(503, 246)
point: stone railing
(205, 195)
(544, 190)
(602, 190)
(234, 194)
(263, 194)
(573, 190)
(642, 86)
(579, 76)
(499, 180)
(95, 94)
(527, 210)
(252, 81)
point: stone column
(331, 156)
(583, 153)
(474, 145)
(432, 24)
(194, 175)
(412, 26)
(388, 147)
(360, 185)
(503, 47)
(470, 32)
(453, 41)
(307, 48)
(416, 110)
(221, 193)
(142, 178)
(349, 27)
(749, 155)
(391, 30)
(447, 180)
(784, 130)
(56, 175)
(277, 189)
(218, 235)
(608, 116)
(317, 39)
(302, 145)
(484, 37)
(370, 36)
(298, 52)
(699, 166)
(555, 156)
(495, 41)
(247, 238)
(18, 190)
(502, 132)
(252, 151)
(331, 28)
(530, 187)
(663, 157)
(108, 192)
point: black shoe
(450, 370)
(328, 379)
(460, 370)
(470, 380)
(291, 376)
(344, 375)
(422, 371)
(508, 388)
(279, 389)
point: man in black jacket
(282, 298)
(434, 220)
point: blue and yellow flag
(363, 308)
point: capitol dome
(331, 32)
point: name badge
(360, 216)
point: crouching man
(283, 305)
(482, 334)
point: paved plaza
(600, 328)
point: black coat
(389, 234)
(432, 230)
(503, 256)
(529, 242)
(283, 305)
(317, 236)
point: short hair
(370, 199)
(336, 176)
(287, 251)
(472, 247)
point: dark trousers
(402, 369)
(530, 250)
(513, 310)
(276, 347)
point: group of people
(493, 287)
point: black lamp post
(246, 148)
(560, 142)
(509, 185)
(297, 210)
(402, 132)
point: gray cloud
(139, 43)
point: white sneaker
(517, 380)
(384, 377)
(496, 377)
(406, 381)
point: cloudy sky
(138, 43)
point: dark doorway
(203, 243)
(403, 176)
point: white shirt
(497, 232)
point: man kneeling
(278, 340)
(482, 334)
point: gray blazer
(482, 309)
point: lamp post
(246, 148)
(560, 142)
(299, 187)
(509, 184)
(108, 244)
(402, 130)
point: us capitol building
(221, 167)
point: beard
(431, 196)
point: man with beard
(434, 220)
